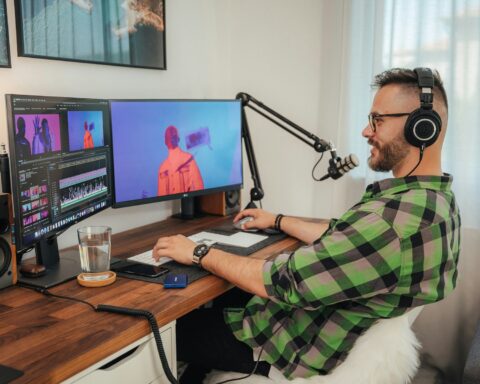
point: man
(22, 144)
(179, 172)
(47, 136)
(38, 145)
(396, 249)
(87, 137)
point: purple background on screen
(138, 136)
(53, 123)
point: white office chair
(385, 353)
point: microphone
(338, 166)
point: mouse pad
(8, 374)
(229, 229)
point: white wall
(215, 48)
(189, 75)
(274, 51)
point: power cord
(154, 327)
(258, 359)
(121, 311)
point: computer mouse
(246, 219)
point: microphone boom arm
(319, 145)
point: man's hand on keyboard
(178, 247)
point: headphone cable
(422, 148)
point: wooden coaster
(100, 279)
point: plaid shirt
(397, 248)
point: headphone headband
(425, 83)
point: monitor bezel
(21, 246)
(182, 195)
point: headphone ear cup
(422, 127)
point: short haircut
(408, 77)
(21, 123)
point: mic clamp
(338, 166)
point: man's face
(389, 147)
(21, 128)
(171, 137)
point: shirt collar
(402, 184)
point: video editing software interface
(166, 149)
(60, 158)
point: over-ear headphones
(424, 124)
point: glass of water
(94, 243)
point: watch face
(200, 250)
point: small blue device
(175, 280)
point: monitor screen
(167, 149)
(60, 161)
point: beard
(389, 154)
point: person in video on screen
(87, 137)
(38, 145)
(47, 136)
(21, 143)
(395, 249)
(179, 172)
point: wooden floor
(51, 339)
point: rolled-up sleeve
(359, 257)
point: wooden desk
(51, 339)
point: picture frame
(112, 32)
(4, 41)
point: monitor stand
(188, 209)
(66, 269)
(58, 269)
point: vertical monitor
(60, 161)
(170, 149)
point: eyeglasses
(372, 118)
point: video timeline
(77, 189)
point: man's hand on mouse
(261, 219)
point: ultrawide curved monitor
(170, 149)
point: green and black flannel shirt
(397, 248)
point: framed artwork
(4, 47)
(115, 32)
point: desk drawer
(137, 363)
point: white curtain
(445, 35)
(441, 34)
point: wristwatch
(199, 252)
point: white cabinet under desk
(137, 363)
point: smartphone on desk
(143, 270)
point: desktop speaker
(8, 258)
(222, 203)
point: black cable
(422, 148)
(258, 359)
(122, 311)
(154, 327)
(46, 292)
(315, 166)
